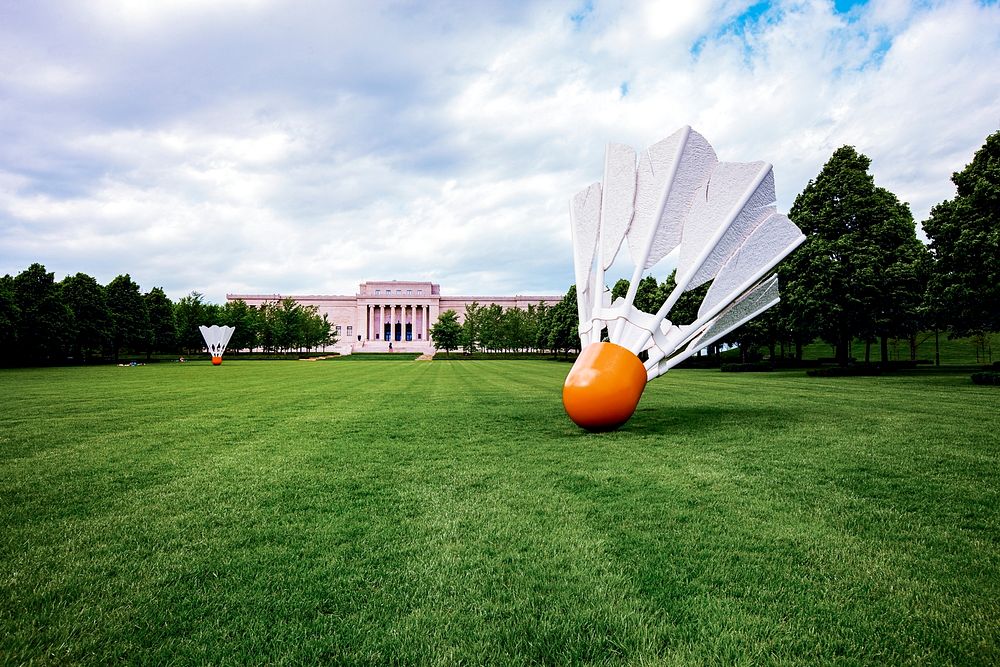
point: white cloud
(148, 16)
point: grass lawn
(449, 513)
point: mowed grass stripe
(447, 512)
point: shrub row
(905, 363)
(987, 377)
(834, 360)
(844, 371)
(379, 356)
(751, 367)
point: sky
(303, 147)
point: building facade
(391, 312)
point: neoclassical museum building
(390, 312)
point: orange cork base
(216, 361)
(603, 388)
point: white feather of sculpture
(721, 218)
(216, 338)
(669, 174)
(585, 215)
(617, 208)
(746, 307)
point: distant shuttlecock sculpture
(719, 217)
(216, 338)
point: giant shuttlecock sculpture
(721, 220)
(216, 338)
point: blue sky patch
(581, 14)
(737, 26)
(845, 6)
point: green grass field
(449, 513)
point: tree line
(861, 274)
(77, 318)
(492, 328)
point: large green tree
(244, 320)
(964, 232)
(563, 324)
(891, 274)
(544, 327)
(471, 327)
(858, 239)
(189, 314)
(10, 316)
(287, 324)
(902, 263)
(647, 295)
(446, 332)
(129, 316)
(45, 324)
(685, 310)
(491, 327)
(162, 325)
(534, 317)
(92, 330)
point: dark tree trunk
(798, 350)
(913, 347)
(884, 344)
(843, 348)
(868, 352)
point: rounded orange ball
(216, 361)
(603, 388)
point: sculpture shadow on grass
(703, 420)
